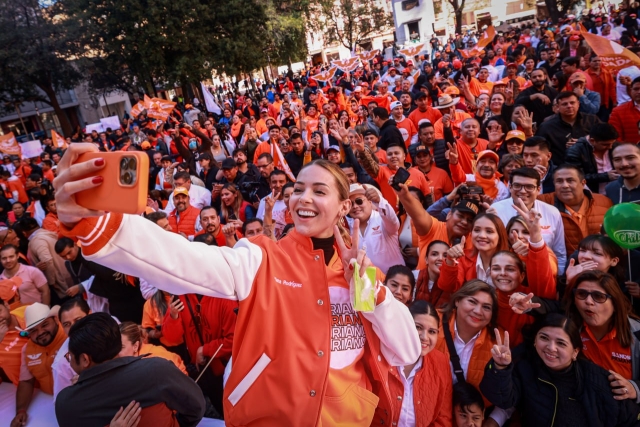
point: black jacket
(102, 389)
(438, 151)
(539, 110)
(581, 155)
(556, 131)
(390, 135)
(296, 161)
(529, 386)
(547, 184)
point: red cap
(392, 68)
(512, 64)
(457, 64)
(575, 38)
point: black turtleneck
(326, 245)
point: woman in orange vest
(234, 207)
(302, 356)
(426, 284)
(488, 236)
(469, 320)
(134, 344)
(424, 388)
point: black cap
(468, 206)
(370, 132)
(420, 95)
(229, 163)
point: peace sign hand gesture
(501, 352)
(531, 217)
(453, 154)
(521, 303)
(349, 253)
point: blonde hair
(342, 185)
(133, 332)
(224, 210)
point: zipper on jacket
(555, 406)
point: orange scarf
(489, 185)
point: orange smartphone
(125, 185)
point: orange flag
(9, 145)
(347, 65)
(158, 108)
(137, 109)
(382, 101)
(487, 36)
(325, 76)
(412, 50)
(58, 141)
(614, 57)
(368, 56)
(470, 53)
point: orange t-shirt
(417, 116)
(407, 129)
(51, 223)
(416, 179)
(11, 348)
(16, 185)
(476, 87)
(48, 175)
(607, 353)
(158, 351)
(382, 156)
(438, 181)
(151, 318)
(456, 121)
(438, 232)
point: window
(410, 4)
(414, 30)
(437, 7)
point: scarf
(489, 185)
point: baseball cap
(37, 313)
(145, 145)
(452, 90)
(392, 69)
(574, 37)
(395, 104)
(515, 134)
(264, 110)
(489, 153)
(578, 77)
(358, 89)
(410, 62)
(598, 19)
(512, 64)
(457, 64)
(228, 163)
(468, 206)
(420, 95)
(370, 132)
(180, 190)
(421, 149)
(9, 287)
(334, 148)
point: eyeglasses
(597, 296)
(68, 356)
(359, 201)
(264, 166)
(527, 187)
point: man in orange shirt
(47, 172)
(13, 188)
(469, 145)
(11, 342)
(50, 221)
(406, 127)
(480, 84)
(424, 112)
(437, 179)
(451, 117)
(512, 71)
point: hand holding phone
(401, 176)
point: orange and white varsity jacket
(301, 355)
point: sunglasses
(597, 296)
(359, 201)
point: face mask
(193, 144)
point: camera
(469, 191)
(249, 191)
(128, 171)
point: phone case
(401, 176)
(113, 195)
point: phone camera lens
(132, 163)
(127, 178)
(124, 163)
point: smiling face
(460, 222)
(505, 273)
(395, 157)
(554, 347)
(427, 327)
(594, 314)
(45, 332)
(435, 258)
(475, 311)
(469, 130)
(316, 202)
(626, 160)
(497, 100)
(361, 207)
(400, 287)
(521, 231)
(487, 167)
(569, 187)
(484, 235)
(228, 197)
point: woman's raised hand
(349, 253)
(501, 352)
(521, 303)
(68, 183)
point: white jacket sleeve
(390, 221)
(393, 324)
(558, 246)
(176, 265)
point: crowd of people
(475, 186)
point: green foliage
(348, 22)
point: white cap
(37, 313)
(357, 189)
(395, 104)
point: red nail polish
(99, 162)
(350, 266)
(97, 179)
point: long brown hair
(503, 239)
(224, 210)
(343, 187)
(469, 289)
(621, 306)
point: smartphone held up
(124, 186)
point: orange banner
(347, 65)
(412, 50)
(158, 108)
(9, 145)
(58, 141)
(382, 101)
(325, 76)
(137, 109)
(470, 53)
(368, 56)
(487, 36)
(614, 56)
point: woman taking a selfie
(285, 289)
(552, 385)
(234, 207)
(426, 284)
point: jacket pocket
(355, 407)
(249, 379)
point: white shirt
(408, 412)
(381, 237)
(621, 90)
(483, 274)
(199, 197)
(277, 216)
(550, 224)
(62, 372)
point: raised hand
(633, 288)
(372, 194)
(519, 247)
(532, 218)
(521, 303)
(175, 307)
(501, 352)
(359, 143)
(574, 269)
(270, 201)
(456, 251)
(352, 252)
(453, 154)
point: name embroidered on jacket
(619, 357)
(289, 283)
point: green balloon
(622, 224)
